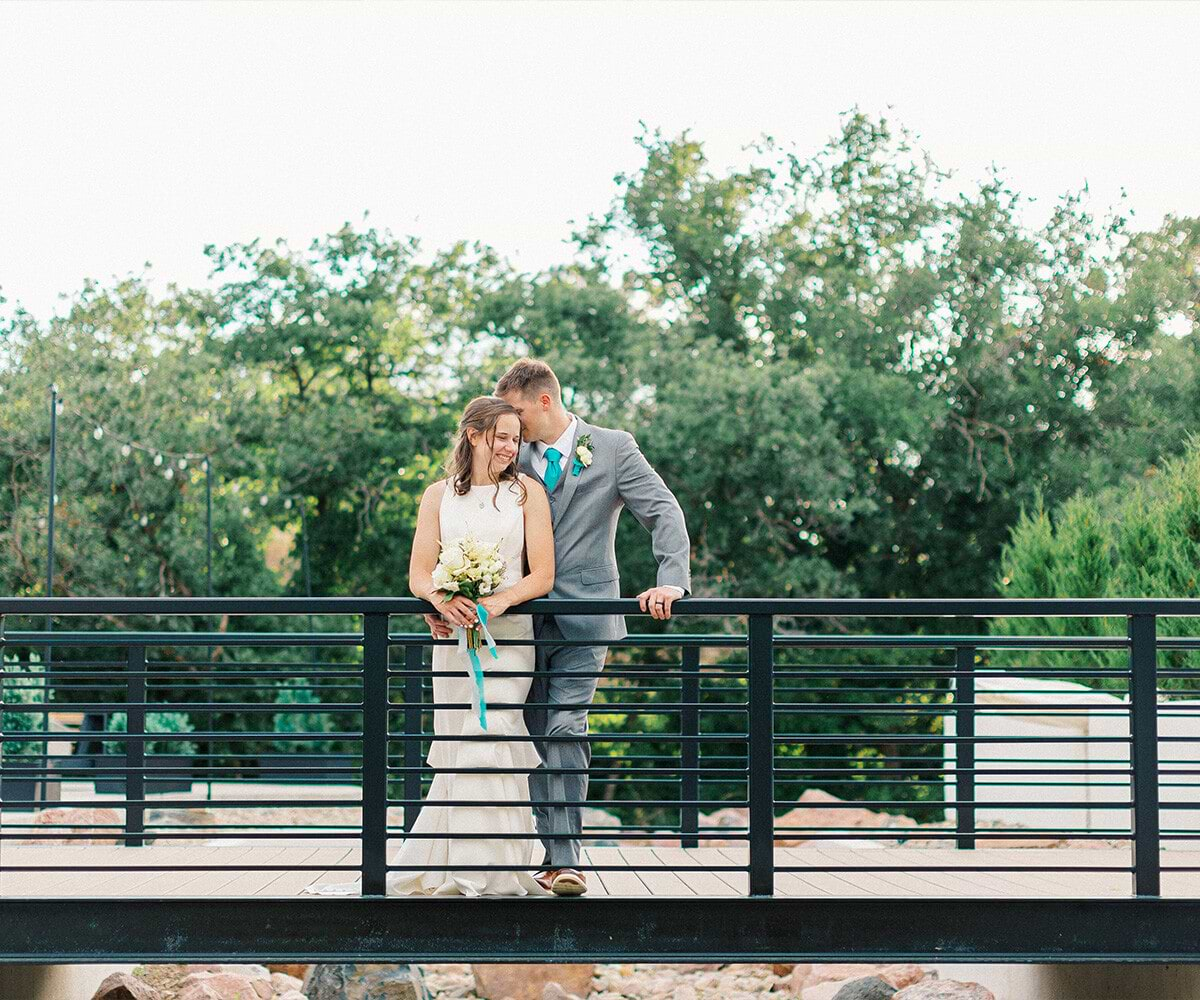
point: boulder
(198, 991)
(902, 975)
(363, 981)
(295, 970)
(77, 821)
(552, 991)
(233, 985)
(249, 971)
(123, 986)
(867, 988)
(804, 976)
(527, 982)
(944, 989)
(283, 981)
(821, 991)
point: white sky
(134, 133)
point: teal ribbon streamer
(476, 668)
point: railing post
(689, 750)
(413, 656)
(374, 754)
(964, 753)
(1143, 725)
(135, 750)
(761, 754)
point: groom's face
(533, 411)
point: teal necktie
(553, 469)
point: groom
(590, 473)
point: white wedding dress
(438, 862)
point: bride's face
(501, 451)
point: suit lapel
(525, 460)
(567, 487)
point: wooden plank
(690, 869)
(596, 886)
(617, 883)
(659, 883)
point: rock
(903, 975)
(232, 985)
(363, 981)
(821, 991)
(684, 992)
(80, 821)
(804, 976)
(198, 991)
(527, 982)
(782, 969)
(291, 995)
(552, 991)
(283, 981)
(122, 986)
(249, 971)
(944, 989)
(297, 971)
(867, 988)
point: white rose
(585, 455)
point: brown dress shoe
(568, 882)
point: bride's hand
(458, 610)
(495, 605)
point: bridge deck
(232, 870)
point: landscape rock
(867, 988)
(525, 982)
(77, 821)
(284, 981)
(822, 991)
(122, 986)
(297, 971)
(552, 991)
(902, 975)
(291, 995)
(944, 989)
(804, 976)
(363, 981)
(232, 985)
(683, 992)
(249, 971)
(198, 991)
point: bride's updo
(481, 414)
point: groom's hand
(658, 601)
(438, 626)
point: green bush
(156, 722)
(1136, 540)
(19, 688)
(296, 691)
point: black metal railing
(701, 736)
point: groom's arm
(656, 509)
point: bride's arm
(425, 549)
(539, 553)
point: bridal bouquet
(474, 569)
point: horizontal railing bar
(691, 606)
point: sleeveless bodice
(489, 517)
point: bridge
(305, 764)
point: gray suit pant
(558, 682)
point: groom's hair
(529, 377)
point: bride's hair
(481, 414)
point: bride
(485, 496)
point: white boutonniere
(583, 454)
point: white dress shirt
(563, 445)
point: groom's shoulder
(609, 435)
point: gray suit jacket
(584, 510)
